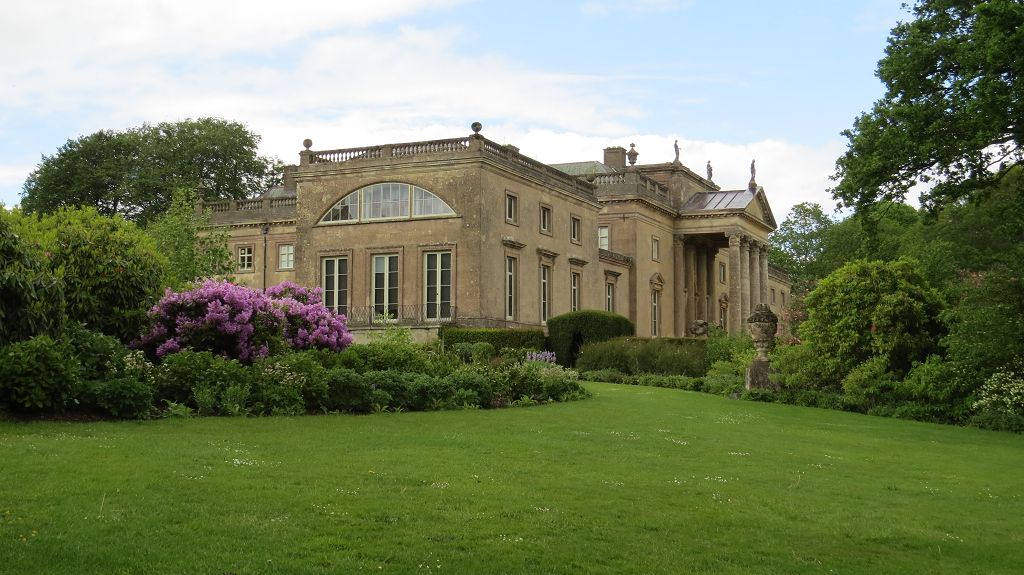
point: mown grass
(635, 480)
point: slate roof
(278, 192)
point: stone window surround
(511, 208)
(252, 258)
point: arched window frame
(412, 203)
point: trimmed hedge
(633, 356)
(568, 332)
(500, 338)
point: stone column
(691, 285)
(679, 285)
(744, 280)
(764, 273)
(702, 284)
(710, 303)
(755, 274)
(735, 308)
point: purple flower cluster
(545, 356)
(242, 323)
(308, 324)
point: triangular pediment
(760, 209)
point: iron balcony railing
(384, 315)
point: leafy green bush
(629, 355)
(529, 338)
(728, 377)
(475, 383)
(112, 271)
(124, 388)
(97, 353)
(38, 374)
(670, 381)
(290, 384)
(189, 377)
(31, 296)
(606, 375)
(869, 385)
(568, 332)
(721, 346)
(348, 391)
(300, 370)
(1000, 403)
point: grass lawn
(635, 480)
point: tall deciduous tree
(952, 117)
(193, 252)
(135, 172)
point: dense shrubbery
(31, 296)
(568, 332)
(38, 374)
(499, 338)
(636, 355)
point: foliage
(728, 376)
(31, 296)
(721, 346)
(193, 251)
(134, 173)
(243, 323)
(630, 355)
(127, 392)
(298, 370)
(950, 114)
(111, 270)
(348, 391)
(180, 374)
(798, 245)
(38, 374)
(96, 353)
(308, 323)
(229, 320)
(568, 332)
(868, 309)
(529, 338)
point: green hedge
(568, 332)
(633, 356)
(500, 338)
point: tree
(798, 244)
(192, 252)
(953, 113)
(135, 172)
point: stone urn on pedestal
(762, 325)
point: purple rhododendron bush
(242, 323)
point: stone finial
(307, 143)
(632, 154)
(753, 176)
(762, 325)
(710, 171)
(476, 126)
(675, 146)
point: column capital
(734, 239)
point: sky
(732, 81)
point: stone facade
(471, 231)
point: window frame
(388, 287)
(575, 287)
(511, 293)
(359, 209)
(604, 233)
(291, 255)
(546, 212)
(545, 293)
(511, 208)
(338, 289)
(575, 229)
(656, 248)
(438, 274)
(251, 257)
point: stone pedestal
(757, 375)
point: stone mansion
(470, 231)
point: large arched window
(387, 201)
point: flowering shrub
(544, 356)
(243, 323)
(1003, 392)
(308, 323)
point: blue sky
(776, 81)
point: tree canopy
(135, 172)
(951, 118)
